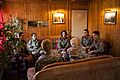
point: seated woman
(75, 50)
(33, 44)
(63, 42)
(98, 46)
(86, 40)
(47, 57)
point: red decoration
(1, 32)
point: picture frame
(110, 17)
(39, 23)
(58, 18)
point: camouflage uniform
(45, 59)
(63, 44)
(98, 47)
(86, 41)
(33, 45)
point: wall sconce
(107, 10)
(59, 14)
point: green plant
(11, 43)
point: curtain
(1, 30)
(1, 19)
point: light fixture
(107, 10)
(59, 14)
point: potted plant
(11, 43)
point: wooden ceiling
(79, 0)
(47, 0)
(68, 0)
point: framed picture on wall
(58, 18)
(110, 17)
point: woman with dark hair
(86, 40)
(98, 46)
(63, 42)
(33, 44)
(63, 45)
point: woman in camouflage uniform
(98, 46)
(86, 41)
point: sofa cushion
(30, 73)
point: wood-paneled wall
(31, 10)
(43, 10)
(110, 33)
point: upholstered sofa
(97, 68)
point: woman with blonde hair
(75, 49)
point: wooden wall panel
(96, 22)
(79, 5)
(58, 7)
(34, 12)
(31, 10)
